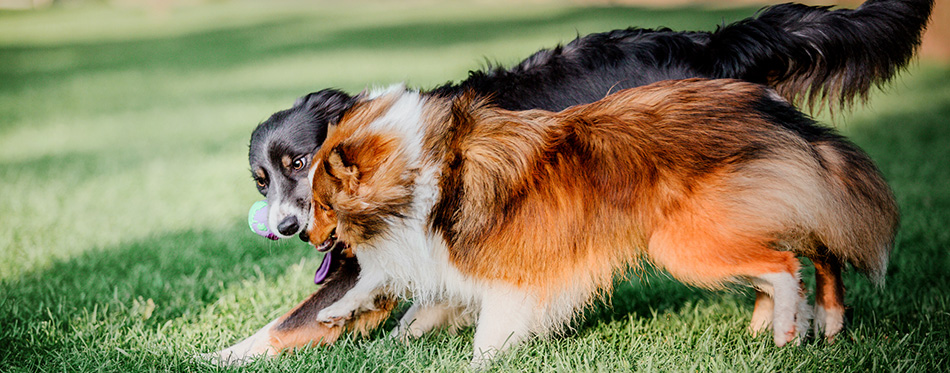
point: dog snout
(289, 226)
(304, 236)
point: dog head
(360, 180)
(281, 151)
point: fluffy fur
(521, 218)
(798, 50)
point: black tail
(814, 55)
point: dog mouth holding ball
(330, 246)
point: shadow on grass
(181, 272)
(912, 148)
(189, 268)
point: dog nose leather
(288, 226)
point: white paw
(409, 331)
(251, 348)
(229, 358)
(828, 322)
(399, 333)
(796, 331)
(338, 313)
(480, 362)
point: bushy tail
(814, 55)
(841, 203)
(863, 218)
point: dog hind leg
(790, 316)
(762, 313)
(247, 350)
(713, 254)
(297, 329)
(361, 298)
(829, 297)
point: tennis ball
(257, 220)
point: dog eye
(299, 163)
(261, 183)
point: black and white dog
(813, 56)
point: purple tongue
(324, 269)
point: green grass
(124, 184)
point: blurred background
(124, 182)
(936, 41)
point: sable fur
(715, 181)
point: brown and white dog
(520, 219)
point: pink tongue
(324, 269)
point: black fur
(806, 53)
(810, 55)
(344, 272)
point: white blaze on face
(283, 206)
(278, 208)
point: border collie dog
(813, 56)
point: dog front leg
(298, 329)
(251, 348)
(506, 318)
(361, 298)
(419, 320)
(291, 330)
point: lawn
(124, 186)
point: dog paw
(226, 358)
(252, 348)
(481, 362)
(401, 334)
(335, 321)
(336, 315)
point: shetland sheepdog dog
(520, 219)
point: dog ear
(340, 167)
(326, 108)
(329, 101)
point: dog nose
(288, 226)
(304, 236)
